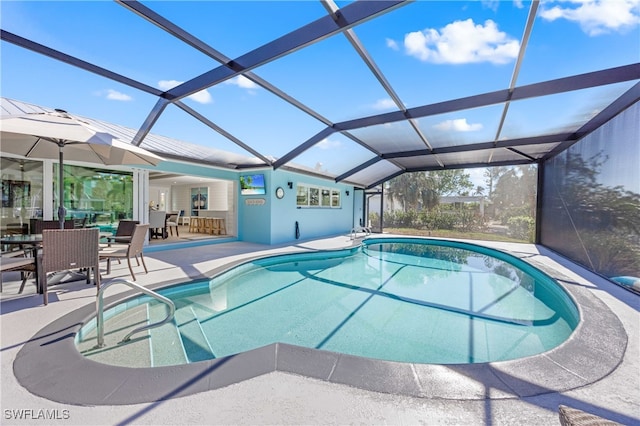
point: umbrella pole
(61, 210)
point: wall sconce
(347, 192)
(290, 185)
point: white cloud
(384, 104)
(117, 96)
(595, 16)
(491, 4)
(328, 144)
(462, 42)
(202, 97)
(392, 44)
(168, 84)
(457, 125)
(242, 82)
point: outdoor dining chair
(123, 232)
(158, 223)
(133, 249)
(39, 225)
(19, 261)
(173, 222)
(67, 249)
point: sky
(429, 51)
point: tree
(514, 191)
(491, 175)
(422, 190)
(412, 190)
(451, 182)
(478, 191)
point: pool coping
(49, 364)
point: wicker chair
(127, 251)
(124, 231)
(39, 225)
(573, 417)
(65, 249)
(18, 261)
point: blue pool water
(408, 300)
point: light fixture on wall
(290, 185)
(347, 192)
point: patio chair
(173, 222)
(573, 417)
(16, 228)
(39, 225)
(18, 261)
(66, 249)
(123, 232)
(79, 222)
(127, 251)
(157, 223)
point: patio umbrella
(60, 135)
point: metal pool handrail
(354, 231)
(100, 309)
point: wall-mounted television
(252, 185)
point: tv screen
(252, 185)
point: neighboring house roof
(161, 145)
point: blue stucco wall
(313, 222)
(273, 222)
(254, 220)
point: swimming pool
(401, 299)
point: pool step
(134, 353)
(195, 343)
(166, 344)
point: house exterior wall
(266, 219)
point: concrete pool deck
(597, 372)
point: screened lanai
(509, 102)
(353, 92)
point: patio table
(34, 241)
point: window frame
(318, 197)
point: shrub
(469, 220)
(445, 221)
(522, 227)
(521, 211)
(374, 220)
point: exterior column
(48, 205)
(141, 195)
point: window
(326, 197)
(22, 185)
(335, 198)
(102, 196)
(314, 196)
(302, 195)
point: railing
(354, 231)
(100, 309)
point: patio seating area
(285, 398)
